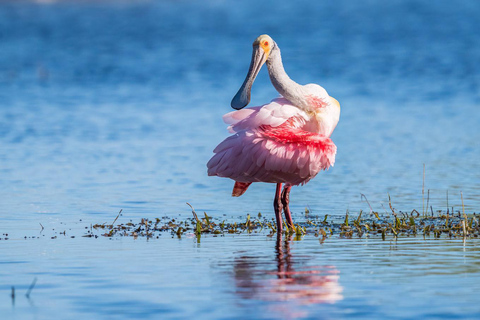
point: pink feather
(270, 144)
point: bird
(286, 141)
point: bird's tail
(239, 188)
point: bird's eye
(265, 43)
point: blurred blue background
(117, 104)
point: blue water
(241, 277)
(115, 105)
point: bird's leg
(286, 209)
(277, 206)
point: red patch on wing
(286, 134)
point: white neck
(288, 88)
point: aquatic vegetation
(395, 225)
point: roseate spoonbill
(284, 141)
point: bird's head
(265, 43)
(262, 47)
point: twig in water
(428, 200)
(363, 196)
(13, 293)
(31, 288)
(464, 229)
(463, 207)
(118, 215)
(464, 223)
(390, 204)
(423, 191)
(194, 213)
(41, 226)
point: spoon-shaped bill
(242, 98)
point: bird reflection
(293, 280)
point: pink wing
(272, 114)
(282, 154)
